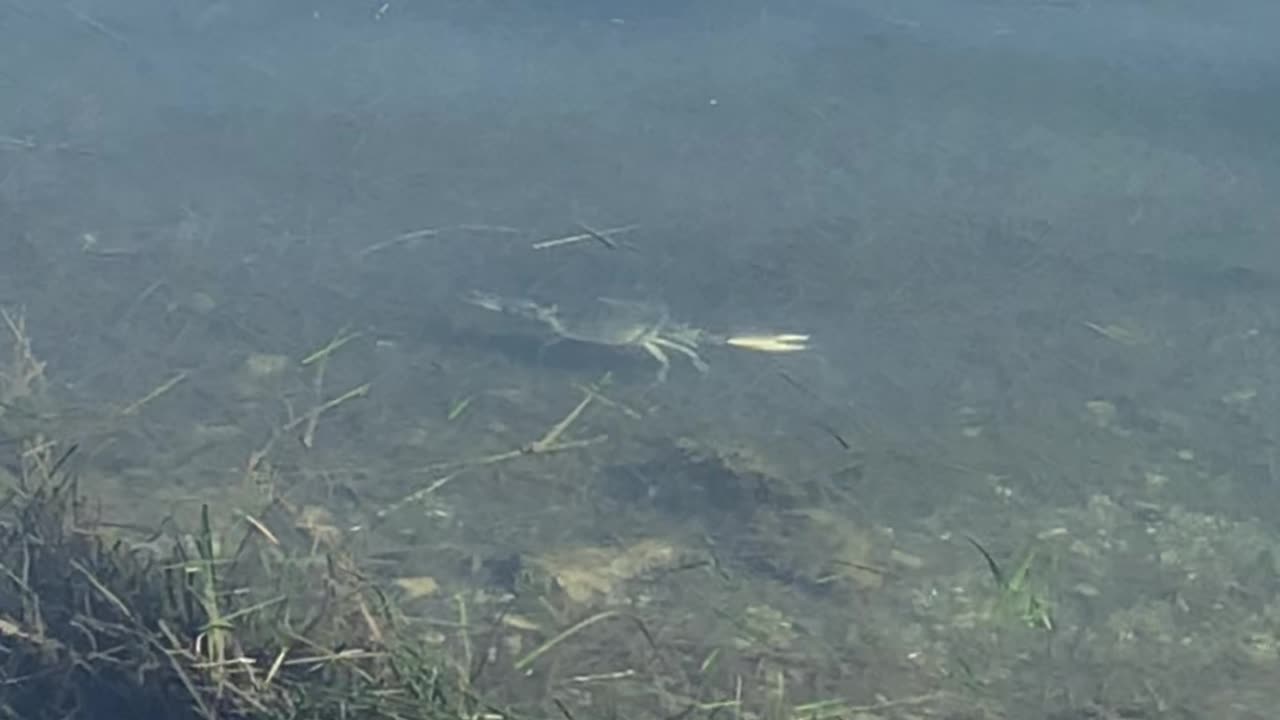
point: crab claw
(778, 343)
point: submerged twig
(416, 495)
(161, 389)
(601, 236)
(412, 236)
(523, 663)
(342, 338)
(550, 442)
(352, 394)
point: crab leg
(663, 361)
(685, 350)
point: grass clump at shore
(179, 625)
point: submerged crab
(610, 322)
(628, 323)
